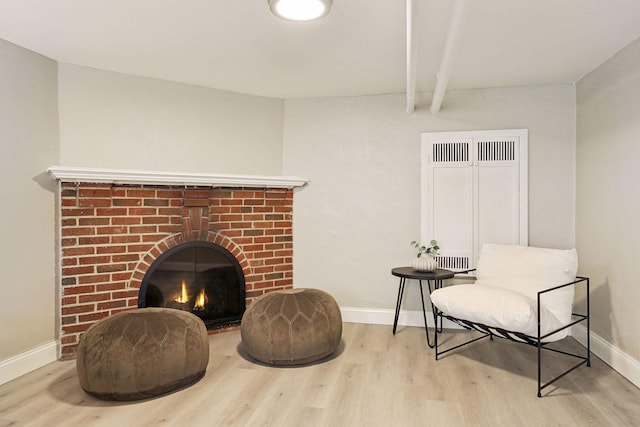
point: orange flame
(200, 301)
(183, 298)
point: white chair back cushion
(528, 270)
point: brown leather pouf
(142, 353)
(292, 327)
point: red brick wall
(111, 234)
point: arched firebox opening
(200, 277)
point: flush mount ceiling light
(300, 10)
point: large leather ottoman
(292, 327)
(142, 353)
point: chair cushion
(496, 307)
(528, 270)
(508, 279)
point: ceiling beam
(451, 48)
(411, 59)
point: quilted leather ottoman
(292, 327)
(142, 353)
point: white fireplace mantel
(124, 176)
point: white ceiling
(358, 49)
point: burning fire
(200, 301)
(183, 298)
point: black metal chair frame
(537, 341)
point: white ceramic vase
(424, 263)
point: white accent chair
(521, 293)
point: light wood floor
(377, 379)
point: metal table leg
(437, 276)
(424, 312)
(424, 309)
(400, 292)
(437, 285)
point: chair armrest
(581, 317)
(573, 282)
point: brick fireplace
(112, 232)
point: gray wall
(608, 195)
(112, 120)
(355, 219)
(29, 145)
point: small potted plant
(425, 256)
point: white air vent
(451, 152)
(492, 151)
(453, 263)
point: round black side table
(436, 276)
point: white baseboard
(620, 361)
(30, 360)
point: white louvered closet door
(474, 191)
